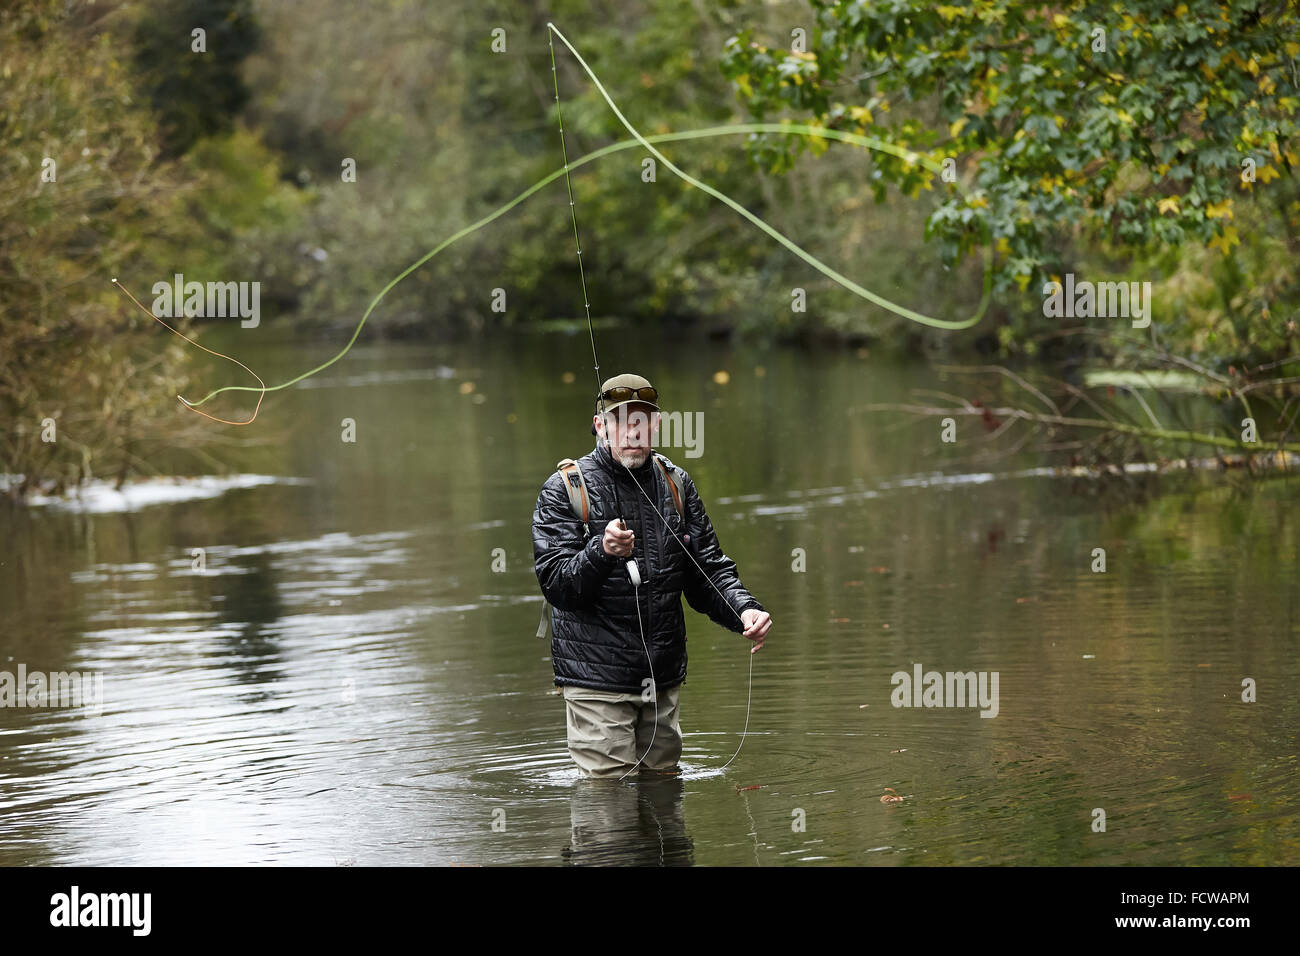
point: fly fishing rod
(630, 564)
(633, 572)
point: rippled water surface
(347, 680)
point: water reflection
(622, 824)
(251, 649)
(352, 678)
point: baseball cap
(626, 380)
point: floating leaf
(891, 797)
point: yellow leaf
(860, 114)
(955, 129)
(1219, 210)
(1226, 241)
(1003, 246)
(1266, 174)
(1252, 67)
(1022, 281)
(1168, 204)
(1061, 20)
(1293, 49)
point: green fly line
(647, 142)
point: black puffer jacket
(596, 639)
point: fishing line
(591, 331)
(785, 128)
(750, 693)
(190, 405)
(792, 129)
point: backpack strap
(580, 502)
(577, 489)
(674, 483)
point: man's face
(630, 430)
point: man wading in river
(607, 632)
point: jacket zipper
(645, 577)
(649, 604)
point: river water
(345, 671)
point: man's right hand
(617, 541)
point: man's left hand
(757, 624)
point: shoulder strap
(577, 489)
(581, 505)
(674, 483)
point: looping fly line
(647, 142)
(185, 401)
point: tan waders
(608, 731)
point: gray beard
(629, 460)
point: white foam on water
(102, 497)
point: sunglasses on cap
(624, 393)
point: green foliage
(66, 352)
(1128, 124)
(443, 129)
(195, 93)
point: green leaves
(1075, 119)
